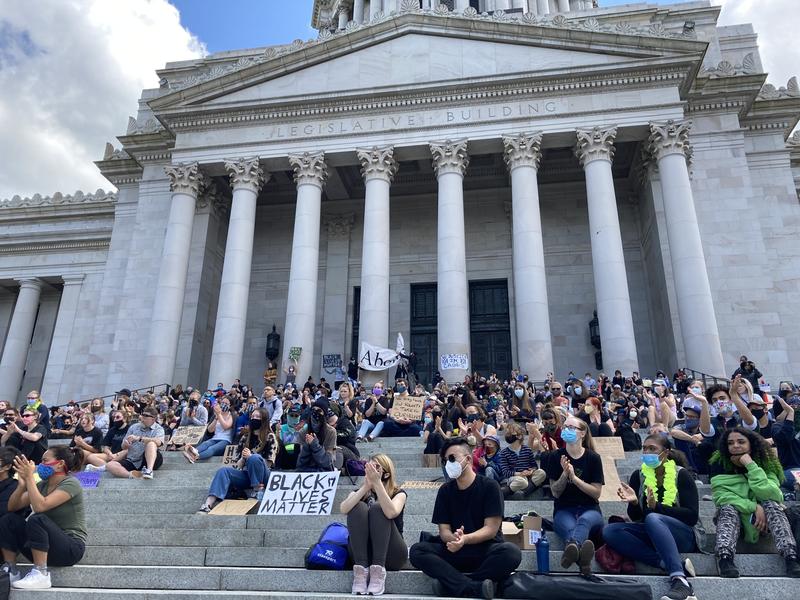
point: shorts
(129, 466)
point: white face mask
(453, 469)
(579, 390)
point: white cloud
(71, 71)
(775, 22)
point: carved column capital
(309, 168)
(246, 173)
(450, 157)
(522, 150)
(377, 163)
(185, 178)
(595, 144)
(339, 226)
(668, 138)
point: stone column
(563, 6)
(310, 173)
(543, 7)
(247, 178)
(165, 324)
(62, 335)
(595, 151)
(374, 8)
(534, 345)
(450, 160)
(669, 144)
(461, 5)
(18, 339)
(334, 316)
(343, 17)
(378, 167)
(358, 11)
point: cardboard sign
(612, 481)
(454, 361)
(299, 493)
(610, 447)
(234, 507)
(421, 485)
(188, 434)
(230, 457)
(408, 408)
(527, 537)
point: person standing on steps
(469, 512)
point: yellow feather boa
(670, 482)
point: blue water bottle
(543, 554)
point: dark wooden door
(423, 330)
(490, 331)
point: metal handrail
(150, 388)
(705, 377)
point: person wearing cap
(696, 436)
(662, 405)
(142, 448)
(290, 437)
(485, 458)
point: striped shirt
(511, 462)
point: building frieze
(770, 92)
(59, 199)
(60, 246)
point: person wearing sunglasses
(142, 445)
(34, 402)
(29, 437)
(469, 512)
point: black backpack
(535, 586)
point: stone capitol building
(478, 175)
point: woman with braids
(257, 451)
(745, 484)
(664, 509)
(55, 534)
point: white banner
(299, 493)
(400, 345)
(454, 361)
(373, 358)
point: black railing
(154, 389)
(707, 379)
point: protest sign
(230, 457)
(408, 408)
(421, 485)
(299, 493)
(374, 358)
(331, 361)
(294, 353)
(454, 361)
(609, 447)
(188, 434)
(234, 507)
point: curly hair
(760, 452)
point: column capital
(75, 279)
(595, 144)
(309, 168)
(671, 137)
(33, 283)
(339, 226)
(213, 199)
(185, 178)
(246, 173)
(522, 150)
(377, 163)
(450, 157)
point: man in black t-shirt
(469, 512)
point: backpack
(535, 586)
(356, 468)
(330, 552)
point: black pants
(496, 562)
(39, 532)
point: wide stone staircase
(147, 543)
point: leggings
(729, 525)
(40, 533)
(373, 535)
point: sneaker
(488, 589)
(189, 456)
(147, 473)
(93, 469)
(359, 580)
(727, 568)
(585, 557)
(12, 575)
(377, 580)
(679, 589)
(35, 580)
(205, 509)
(688, 568)
(792, 567)
(570, 555)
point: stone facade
(159, 282)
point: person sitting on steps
(142, 444)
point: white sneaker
(93, 469)
(147, 473)
(35, 580)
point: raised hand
(626, 493)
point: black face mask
(549, 427)
(510, 439)
(758, 414)
(255, 424)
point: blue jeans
(367, 426)
(492, 473)
(211, 448)
(576, 523)
(255, 474)
(657, 542)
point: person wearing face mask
(786, 436)
(664, 508)
(111, 445)
(27, 435)
(34, 402)
(742, 397)
(469, 512)
(597, 418)
(519, 471)
(290, 437)
(318, 444)
(221, 426)
(98, 408)
(520, 407)
(272, 402)
(257, 451)
(474, 427)
(376, 408)
(576, 481)
(485, 458)
(745, 486)
(696, 437)
(436, 432)
(663, 407)
(550, 438)
(394, 427)
(55, 535)
(729, 409)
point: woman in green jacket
(745, 483)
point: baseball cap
(123, 392)
(692, 404)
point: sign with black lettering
(188, 434)
(373, 358)
(299, 493)
(331, 361)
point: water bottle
(543, 554)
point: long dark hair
(72, 457)
(666, 444)
(322, 430)
(760, 452)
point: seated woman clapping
(257, 450)
(222, 428)
(111, 445)
(87, 437)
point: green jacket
(744, 492)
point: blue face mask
(45, 472)
(401, 389)
(651, 460)
(570, 436)
(692, 423)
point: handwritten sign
(294, 352)
(331, 361)
(230, 457)
(408, 408)
(188, 434)
(454, 361)
(88, 479)
(299, 493)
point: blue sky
(236, 24)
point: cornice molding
(59, 199)
(25, 248)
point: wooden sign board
(609, 447)
(409, 408)
(188, 434)
(233, 508)
(230, 457)
(421, 485)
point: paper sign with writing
(230, 457)
(88, 479)
(331, 361)
(454, 361)
(294, 352)
(409, 408)
(188, 434)
(299, 493)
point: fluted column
(374, 8)
(310, 173)
(543, 6)
(450, 160)
(378, 167)
(595, 151)
(18, 339)
(669, 144)
(358, 11)
(343, 17)
(563, 6)
(62, 336)
(162, 347)
(534, 347)
(246, 177)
